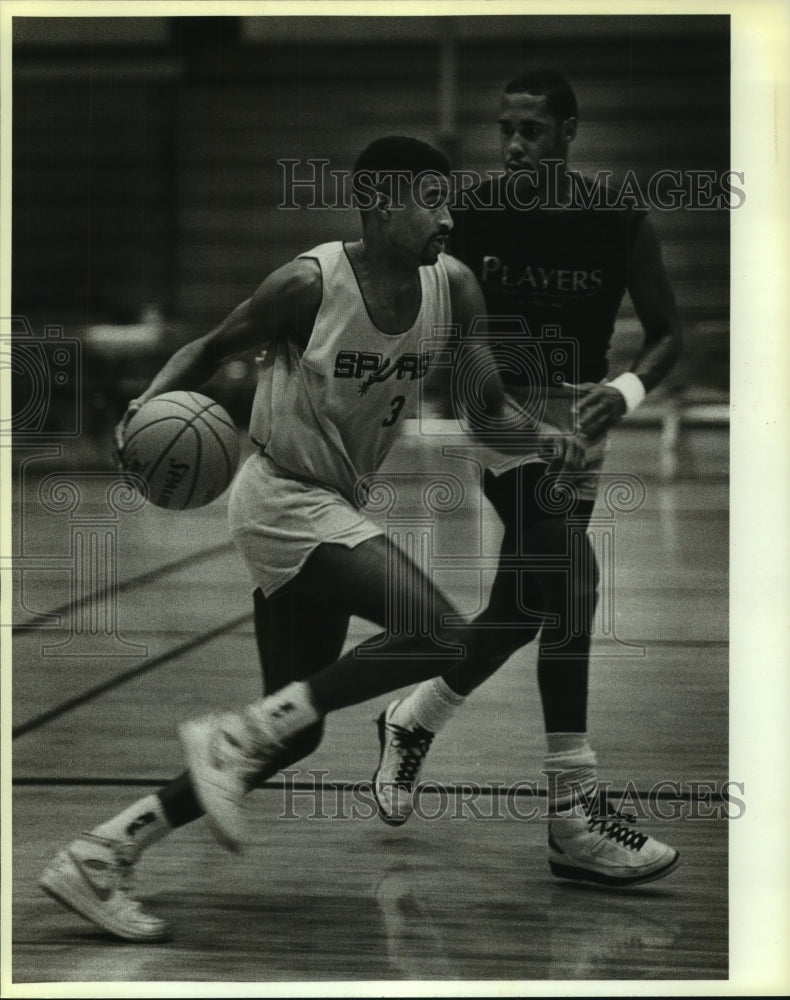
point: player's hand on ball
(598, 408)
(181, 447)
(120, 429)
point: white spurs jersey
(331, 414)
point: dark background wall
(145, 150)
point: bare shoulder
(288, 300)
(457, 271)
(297, 280)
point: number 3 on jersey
(397, 406)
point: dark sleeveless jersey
(564, 270)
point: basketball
(186, 448)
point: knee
(571, 605)
(576, 585)
(585, 581)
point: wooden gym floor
(327, 892)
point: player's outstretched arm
(602, 406)
(479, 393)
(284, 305)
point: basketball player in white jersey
(343, 327)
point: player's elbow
(665, 337)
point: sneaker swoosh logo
(100, 892)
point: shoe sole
(577, 874)
(383, 815)
(388, 818)
(192, 744)
(61, 888)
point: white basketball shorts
(277, 521)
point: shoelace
(413, 744)
(613, 824)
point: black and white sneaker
(603, 847)
(403, 751)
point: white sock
(285, 713)
(430, 705)
(143, 824)
(572, 776)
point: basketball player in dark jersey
(546, 254)
(342, 327)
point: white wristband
(632, 388)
